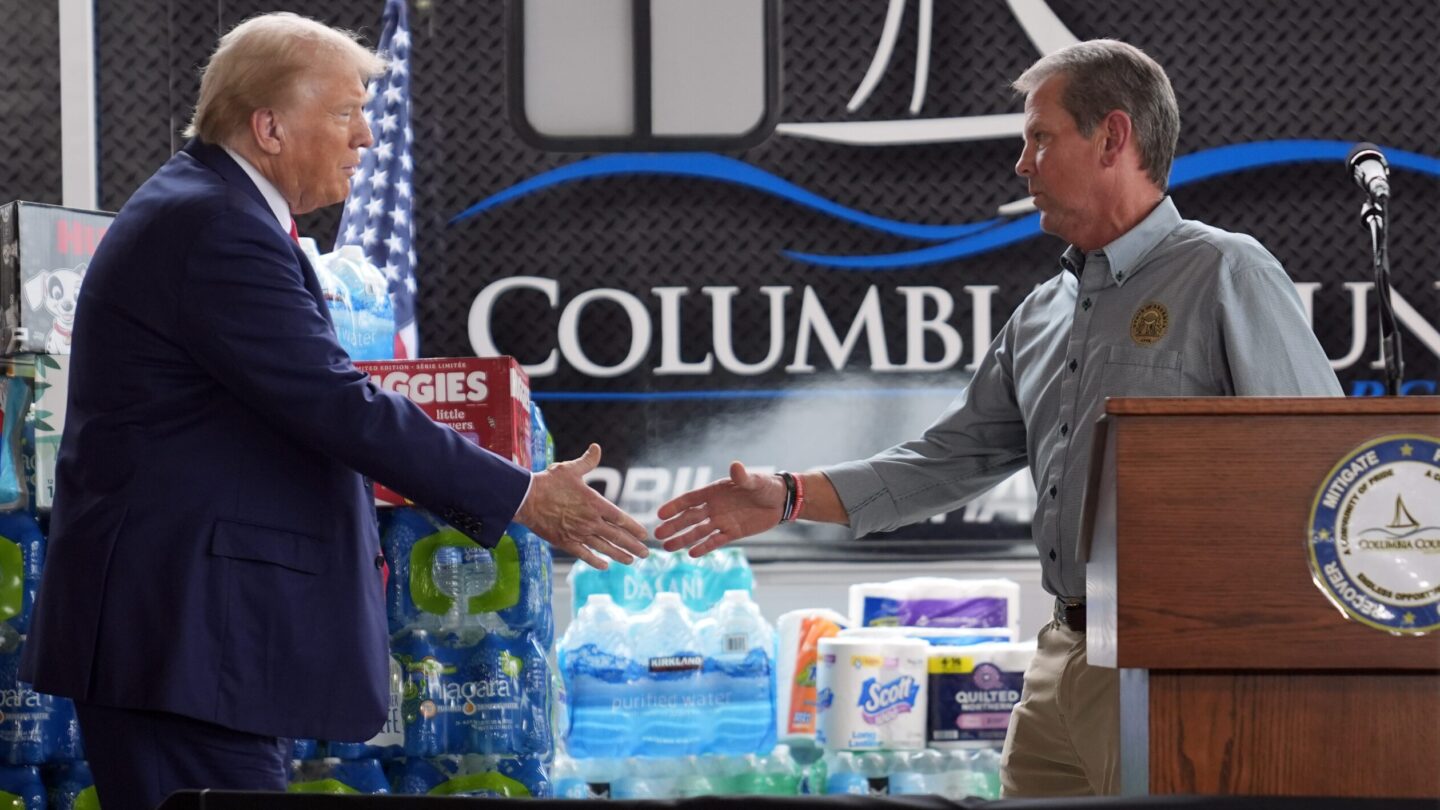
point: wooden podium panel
(1238, 674)
(1314, 733)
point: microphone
(1370, 171)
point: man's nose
(364, 139)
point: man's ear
(267, 130)
(1119, 133)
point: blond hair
(261, 63)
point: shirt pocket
(1132, 371)
(287, 549)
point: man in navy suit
(213, 584)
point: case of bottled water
(667, 682)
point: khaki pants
(1064, 735)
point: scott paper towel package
(972, 692)
(872, 694)
(796, 700)
(937, 602)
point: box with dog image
(44, 251)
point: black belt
(1070, 613)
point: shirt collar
(272, 195)
(1125, 253)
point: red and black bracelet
(794, 497)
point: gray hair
(1106, 75)
(260, 63)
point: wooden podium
(1238, 676)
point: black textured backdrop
(30, 102)
(1243, 71)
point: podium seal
(1374, 534)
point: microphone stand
(1377, 217)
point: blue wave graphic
(957, 241)
(709, 166)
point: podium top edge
(1271, 406)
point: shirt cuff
(865, 496)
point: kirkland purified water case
(44, 252)
(485, 399)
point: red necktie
(294, 232)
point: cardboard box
(44, 251)
(485, 399)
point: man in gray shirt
(1144, 303)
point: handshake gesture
(575, 518)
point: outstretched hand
(574, 518)
(721, 512)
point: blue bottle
(29, 727)
(682, 574)
(71, 787)
(303, 748)
(423, 668)
(600, 682)
(505, 698)
(739, 669)
(668, 653)
(534, 564)
(401, 530)
(417, 776)
(21, 787)
(22, 555)
(585, 582)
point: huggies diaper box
(485, 399)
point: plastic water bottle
(693, 780)
(462, 572)
(740, 677)
(782, 774)
(680, 573)
(985, 762)
(667, 651)
(533, 598)
(641, 779)
(584, 581)
(843, 776)
(917, 772)
(875, 766)
(566, 780)
(633, 586)
(600, 676)
(732, 571)
(20, 787)
(72, 787)
(422, 710)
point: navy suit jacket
(213, 543)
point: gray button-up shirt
(1171, 308)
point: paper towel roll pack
(972, 692)
(872, 693)
(934, 636)
(937, 602)
(800, 632)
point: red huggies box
(484, 399)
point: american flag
(379, 214)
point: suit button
(379, 561)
